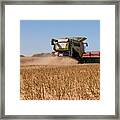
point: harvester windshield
(61, 44)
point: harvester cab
(69, 46)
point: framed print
(60, 59)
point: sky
(36, 35)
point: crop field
(60, 82)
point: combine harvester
(75, 47)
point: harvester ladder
(71, 48)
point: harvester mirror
(53, 41)
(86, 44)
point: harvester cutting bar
(90, 57)
(91, 54)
